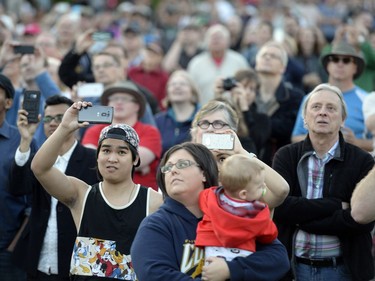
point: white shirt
(48, 261)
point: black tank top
(106, 232)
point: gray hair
(216, 28)
(229, 115)
(284, 54)
(330, 88)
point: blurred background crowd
(160, 61)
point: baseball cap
(32, 29)
(121, 132)
(126, 87)
(7, 86)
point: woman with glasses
(164, 248)
(219, 117)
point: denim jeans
(304, 272)
(8, 271)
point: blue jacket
(12, 209)
(326, 215)
(172, 131)
(47, 88)
(164, 249)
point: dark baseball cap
(7, 86)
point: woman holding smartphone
(218, 117)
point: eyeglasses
(271, 55)
(217, 124)
(181, 164)
(337, 59)
(121, 99)
(48, 119)
(104, 65)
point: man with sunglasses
(343, 65)
(46, 245)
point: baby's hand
(216, 269)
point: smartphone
(102, 36)
(31, 103)
(218, 141)
(96, 114)
(90, 90)
(24, 49)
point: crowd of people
(145, 197)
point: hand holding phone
(24, 49)
(96, 114)
(31, 102)
(218, 141)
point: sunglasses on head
(345, 60)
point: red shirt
(155, 81)
(149, 137)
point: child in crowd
(234, 218)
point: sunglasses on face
(345, 60)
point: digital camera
(229, 83)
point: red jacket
(223, 229)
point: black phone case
(96, 114)
(24, 49)
(31, 102)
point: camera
(229, 83)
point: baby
(234, 217)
